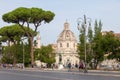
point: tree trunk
(14, 54)
(32, 51)
(14, 61)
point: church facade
(66, 47)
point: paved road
(56, 75)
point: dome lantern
(66, 26)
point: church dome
(66, 34)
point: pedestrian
(76, 65)
(81, 65)
(69, 67)
(53, 65)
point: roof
(66, 34)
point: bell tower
(38, 41)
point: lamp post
(84, 22)
(23, 56)
(0, 51)
(23, 52)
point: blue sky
(105, 10)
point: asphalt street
(28, 74)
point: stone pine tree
(27, 16)
(12, 34)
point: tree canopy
(113, 51)
(93, 43)
(26, 16)
(45, 54)
(12, 33)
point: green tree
(45, 54)
(90, 38)
(12, 34)
(9, 53)
(97, 43)
(90, 43)
(113, 51)
(26, 16)
(81, 46)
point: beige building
(66, 47)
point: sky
(105, 10)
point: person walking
(81, 66)
(69, 67)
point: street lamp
(23, 52)
(0, 51)
(84, 22)
(23, 55)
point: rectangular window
(74, 45)
(67, 44)
(60, 44)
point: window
(67, 44)
(74, 45)
(60, 44)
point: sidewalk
(72, 70)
